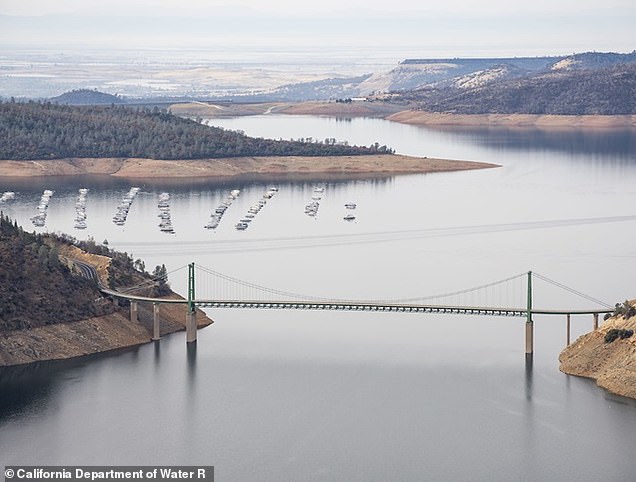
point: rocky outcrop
(611, 364)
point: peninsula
(257, 167)
(49, 139)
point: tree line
(42, 130)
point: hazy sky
(440, 28)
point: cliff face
(612, 365)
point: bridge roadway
(335, 305)
(339, 305)
(355, 305)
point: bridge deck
(356, 305)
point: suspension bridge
(511, 297)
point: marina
(80, 209)
(311, 208)
(124, 206)
(39, 219)
(165, 225)
(255, 209)
(217, 215)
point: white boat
(349, 217)
(7, 196)
(350, 205)
(270, 192)
(241, 226)
(213, 223)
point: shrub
(625, 310)
(616, 333)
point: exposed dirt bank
(514, 120)
(336, 109)
(94, 335)
(271, 167)
(612, 365)
(86, 337)
(401, 112)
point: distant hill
(567, 88)
(412, 74)
(87, 97)
(585, 83)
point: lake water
(293, 395)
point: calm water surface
(356, 396)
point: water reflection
(26, 387)
(528, 372)
(591, 142)
(191, 349)
(157, 351)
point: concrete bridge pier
(133, 312)
(596, 321)
(191, 326)
(529, 337)
(191, 311)
(156, 335)
(529, 322)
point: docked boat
(241, 226)
(163, 203)
(7, 196)
(213, 223)
(270, 192)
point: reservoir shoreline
(611, 364)
(407, 113)
(240, 167)
(90, 336)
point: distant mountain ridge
(413, 74)
(584, 83)
(567, 89)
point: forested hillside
(48, 131)
(37, 288)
